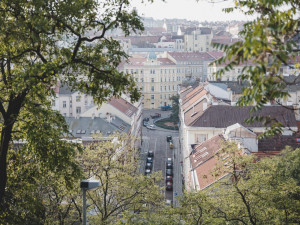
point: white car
(151, 127)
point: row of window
(169, 71)
(161, 96)
(161, 79)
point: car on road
(169, 160)
(156, 115)
(171, 145)
(149, 166)
(151, 127)
(169, 138)
(146, 119)
(169, 179)
(149, 160)
(169, 202)
(147, 171)
(151, 154)
(169, 172)
(169, 166)
(169, 186)
(145, 123)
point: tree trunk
(5, 139)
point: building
(157, 78)
(198, 40)
(206, 112)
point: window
(173, 88)
(161, 98)
(137, 79)
(152, 96)
(152, 88)
(142, 80)
(85, 101)
(53, 103)
(78, 110)
(239, 70)
(78, 98)
(160, 88)
(199, 138)
(152, 80)
(142, 71)
(169, 88)
(165, 88)
(131, 71)
(70, 105)
(64, 104)
(153, 71)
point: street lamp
(87, 185)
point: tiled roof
(221, 116)
(136, 61)
(191, 56)
(65, 89)
(278, 143)
(165, 61)
(269, 154)
(86, 126)
(195, 97)
(216, 55)
(204, 151)
(123, 106)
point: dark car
(149, 166)
(151, 154)
(147, 171)
(149, 160)
(146, 119)
(169, 172)
(169, 179)
(169, 186)
(169, 166)
(169, 138)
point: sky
(188, 9)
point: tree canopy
(47, 42)
(268, 43)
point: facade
(157, 78)
(198, 40)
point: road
(156, 141)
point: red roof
(123, 106)
(268, 154)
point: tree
(175, 108)
(124, 193)
(42, 43)
(268, 43)
(265, 192)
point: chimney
(204, 106)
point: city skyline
(193, 10)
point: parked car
(169, 172)
(149, 166)
(151, 154)
(147, 171)
(169, 179)
(151, 127)
(169, 166)
(146, 119)
(149, 160)
(156, 115)
(171, 145)
(169, 138)
(169, 160)
(145, 123)
(169, 186)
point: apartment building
(198, 40)
(157, 78)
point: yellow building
(157, 78)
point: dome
(152, 56)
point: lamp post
(86, 185)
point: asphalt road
(156, 141)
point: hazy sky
(188, 9)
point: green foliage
(265, 192)
(46, 42)
(266, 46)
(124, 194)
(175, 108)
